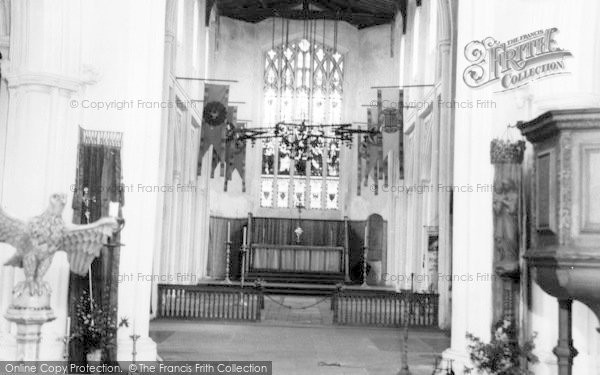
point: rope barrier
(296, 308)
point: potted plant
(96, 328)
(503, 355)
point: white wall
(577, 23)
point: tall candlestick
(244, 250)
(365, 251)
(228, 253)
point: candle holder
(110, 242)
(364, 270)
(66, 340)
(243, 275)
(134, 338)
(405, 369)
(227, 262)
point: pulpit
(565, 251)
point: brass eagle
(38, 239)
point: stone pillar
(170, 31)
(42, 75)
(445, 159)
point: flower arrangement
(96, 327)
(503, 355)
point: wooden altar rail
(203, 302)
(384, 308)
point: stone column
(39, 137)
(170, 31)
(7, 341)
(445, 159)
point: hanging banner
(214, 118)
(370, 149)
(392, 129)
(235, 151)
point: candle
(113, 209)
(228, 231)
(245, 234)
(68, 330)
(367, 235)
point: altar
(276, 254)
(327, 251)
(305, 259)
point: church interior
(316, 186)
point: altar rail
(204, 302)
(384, 308)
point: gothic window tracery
(302, 82)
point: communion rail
(205, 302)
(384, 308)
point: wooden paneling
(590, 182)
(545, 183)
(266, 257)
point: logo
(515, 63)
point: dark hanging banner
(400, 137)
(506, 156)
(235, 151)
(370, 149)
(214, 119)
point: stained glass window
(302, 82)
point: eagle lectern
(36, 241)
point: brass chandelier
(302, 139)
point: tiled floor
(300, 341)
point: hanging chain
(296, 308)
